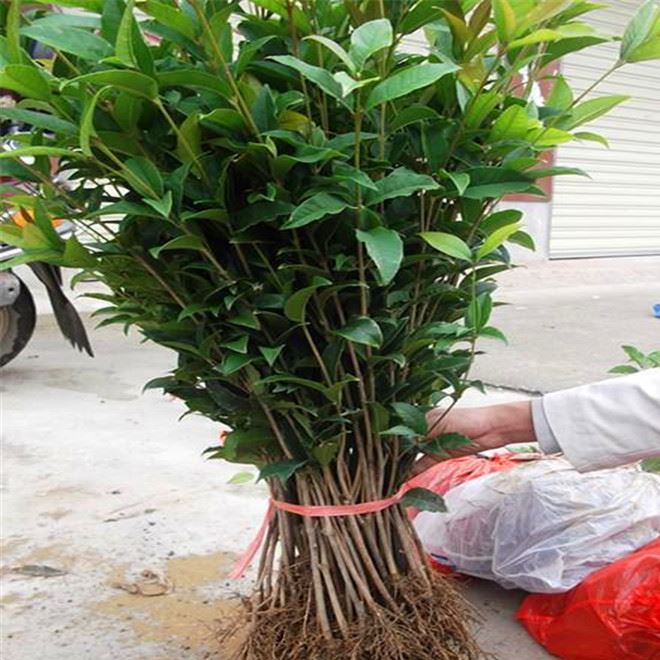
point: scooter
(18, 316)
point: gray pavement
(566, 321)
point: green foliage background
(301, 209)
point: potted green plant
(307, 216)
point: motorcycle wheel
(17, 323)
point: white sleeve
(605, 424)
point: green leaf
(401, 430)
(424, 500)
(411, 115)
(241, 478)
(412, 417)
(124, 43)
(444, 442)
(40, 120)
(649, 50)
(345, 172)
(12, 26)
(234, 362)
(148, 177)
(561, 97)
(497, 238)
(26, 80)
(623, 369)
(170, 16)
(196, 79)
(77, 256)
(282, 470)
(368, 39)
(460, 179)
(130, 81)
(189, 140)
(651, 465)
(512, 124)
(72, 40)
(479, 311)
(296, 304)
(493, 333)
(271, 353)
(400, 183)
(407, 81)
(87, 121)
(178, 243)
(229, 119)
(487, 182)
(316, 207)
(315, 74)
(40, 151)
(162, 205)
(548, 137)
(592, 137)
(362, 330)
(335, 49)
(350, 84)
(385, 248)
(448, 244)
(592, 109)
(538, 36)
(638, 29)
(505, 20)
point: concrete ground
(100, 482)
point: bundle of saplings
(303, 207)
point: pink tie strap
(320, 511)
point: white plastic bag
(543, 526)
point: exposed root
(431, 624)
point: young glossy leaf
(282, 470)
(497, 238)
(638, 29)
(649, 50)
(368, 39)
(400, 183)
(313, 209)
(589, 110)
(178, 243)
(547, 137)
(129, 81)
(72, 40)
(26, 80)
(561, 96)
(592, 137)
(448, 244)
(505, 20)
(487, 182)
(512, 124)
(407, 81)
(538, 36)
(423, 499)
(362, 330)
(385, 248)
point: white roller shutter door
(617, 212)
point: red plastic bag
(613, 615)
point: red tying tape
(320, 511)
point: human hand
(488, 427)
